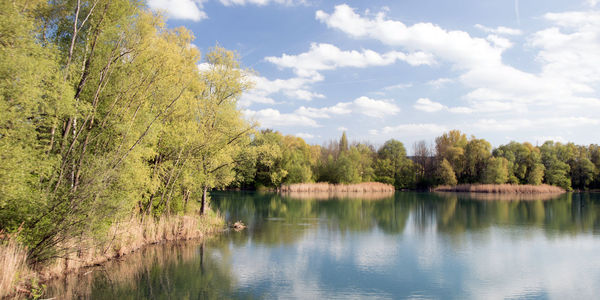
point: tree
(556, 171)
(496, 171)
(393, 166)
(445, 173)
(424, 164)
(477, 153)
(343, 143)
(224, 134)
(451, 147)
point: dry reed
(323, 187)
(339, 195)
(501, 188)
(122, 238)
(501, 197)
(14, 271)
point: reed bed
(324, 187)
(501, 188)
(129, 236)
(500, 197)
(122, 238)
(338, 195)
(13, 267)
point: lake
(407, 245)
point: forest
(106, 116)
(452, 159)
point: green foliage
(103, 114)
(477, 153)
(496, 170)
(393, 167)
(445, 173)
(451, 147)
(557, 171)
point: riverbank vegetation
(453, 160)
(501, 188)
(323, 187)
(107, 123)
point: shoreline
(501, 189)
(122, 239)
(324, 187)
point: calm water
(409, 245)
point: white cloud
(293, 88)
(180, 9)
(271, 118)
(426, 105)
(591, 3)
(322, 57)
(455, 46)
(412, 130)
(499, 30)
(342, 128)
(499, 42)
(305, 136)
(375, 108)
(362, 105)
(440, 82)
(569, 54)
(540, 123)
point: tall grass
(323, 187)
(338, 195)
(121, 239)
(501, 188)
(131, 235)
(13, 267)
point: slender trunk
(203, 207)
(73, 38)
(52, 133)
(186, 197)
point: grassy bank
(19, 280)
(323, 187)
(501, 188)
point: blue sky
(501, 70)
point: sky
(502, 70)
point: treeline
(454, 159)
(105, 116)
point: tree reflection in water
(206, 270)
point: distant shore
(501, 188)
(324, 187)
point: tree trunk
(203, 207)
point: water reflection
(419, 245)
(446, 212)
(168, 271)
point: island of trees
(109, 131)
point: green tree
(224, 134)
(445, 173)
(496, 170)
(476, 156)
(393, 167)
(556, 171)
(451, 147)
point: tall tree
(224, 134)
